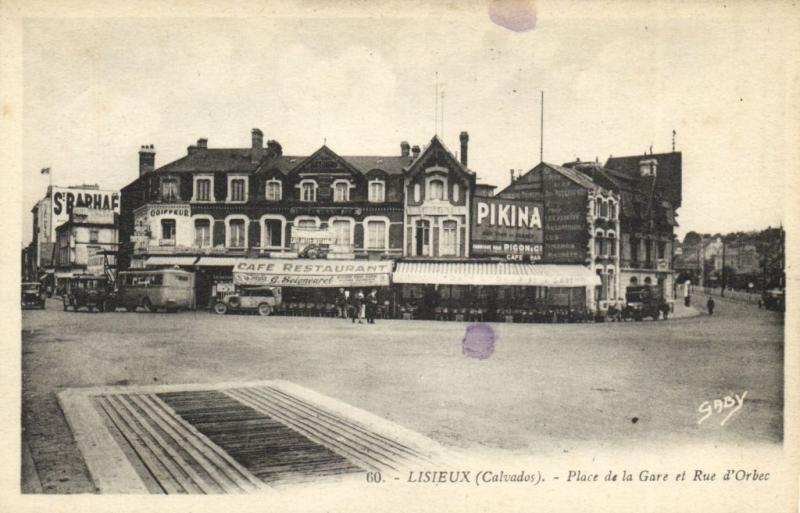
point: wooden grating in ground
(232, 438)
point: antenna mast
(541, 131)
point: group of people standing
(357, 306)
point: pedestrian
(372, 306)
(353, 306)
(341, 304)
(361, 306)
(710, 306)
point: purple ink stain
(516, 15)
(478, 341)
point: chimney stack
(404, 148)
(147, 159)
(512, 174)
(415, 151)
(464, 137)
(258, 145)
(202, 144)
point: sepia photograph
(495, 255)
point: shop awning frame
(170, 260)
(495, 274)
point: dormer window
(170, 191)
(203, 188)
(377, 191)
(308, 191)
(237, 189)
(436, 190)
(341, 191)
(274, 190)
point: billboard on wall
(65, 199)
(507, 228)
(312, 273)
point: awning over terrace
(495, 273)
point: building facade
(86, 244)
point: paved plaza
(545, 387)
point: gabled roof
(434, 142)
(576, 176)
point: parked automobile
(642, 301)
(249, 299)
(773, 299)
(167, 289)
(33, 295)
(86, 290)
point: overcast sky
(95, 91)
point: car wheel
(220, 308)
(146, 306)
(264, 309)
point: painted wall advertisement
(566, 231)
(309, 273)
(507, 228)
(65, 200)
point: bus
(167, 289)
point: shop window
(202, 189)
(168, 231)
(273, 233)
(237, 189)
(94, 235)
(436, 190)
(341, 192)
(341, 232)
(202, 233)
(170, 189)
(274, 192)
(376, 235)
(236, 233)
(449, 245)
(377, 191)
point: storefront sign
(320, 273)
(177, 209)
(506, 227)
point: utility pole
(541, 131)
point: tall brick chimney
(147, 159)
(404, 149)
(257, 149)
(415, 151)
(464, 137)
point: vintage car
(248, 299)
(92, 292)
(33, 295)
(642, 301)
(773, 299)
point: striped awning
(154, 261)
(495, 273)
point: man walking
(360, 306)
(710, 304)
(372, 306)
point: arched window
(377, 235)
(308, 191)
(341, 191)
(648, 281)
(341, 229)
(612, 210)
(377, 191)
(612, 244)
(603, 208)
(436, 190)
(273, 192)
(416, 193)
(456, 192)
(237, 233)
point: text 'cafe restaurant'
(513, 273)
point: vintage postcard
(504, 255)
